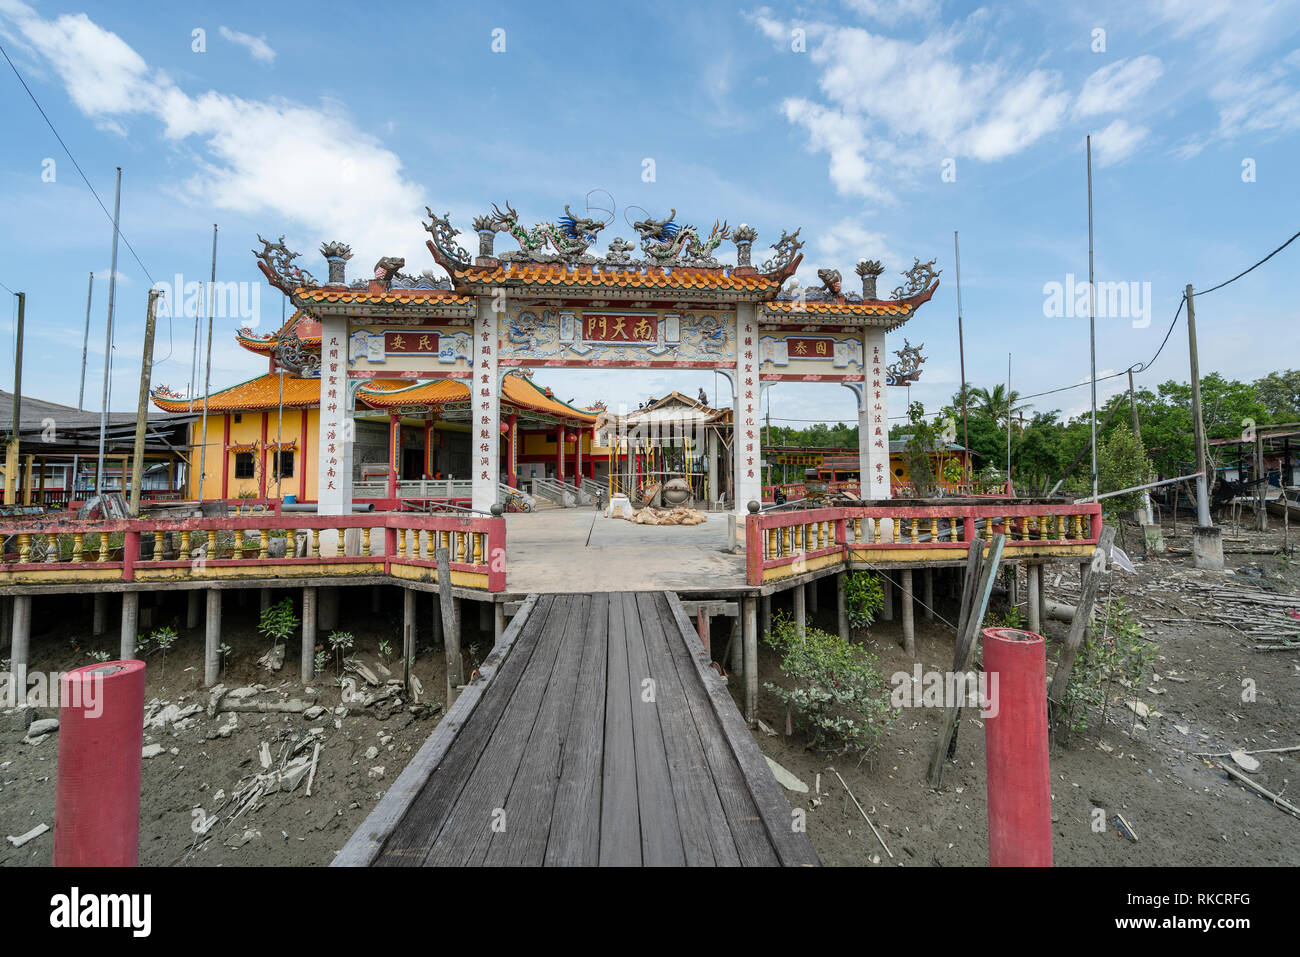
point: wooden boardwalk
(597, 735)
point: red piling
(1015, 734)
(97, 796)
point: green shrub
(1114, 657)
(838, 696)
(863, 598)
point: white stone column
(337, 430)
(485, 400)
(711, 453)
(748, 450)
(873, 420)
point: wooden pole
(1261, 486)
(409, 597)
(212, 639)
(307, 657)
(964, 652)
(750, 612)
(142, 405)
(11, 453)
(909, 621)
(1198, 419)
(841, 605)
(1082, 614)
(450, 627)
(108, 339)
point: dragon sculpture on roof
(918, 278)
(278, 259)
(570, 236)
(665, 243)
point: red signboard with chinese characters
(810, 348)
(414, 343)
(619, 327)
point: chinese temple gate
(553, 303)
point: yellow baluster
(51, 548)
(103, 547)
(157, 545)
(313, 544)
(365, 542)
(343, 543)
(24, 548)
(934, 530)
(212, 544)
(264, 545)
(478, 548)
(239, 544)
(78, 544)
(460, 547)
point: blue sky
(878, 126)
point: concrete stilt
(842, 605)
(484, 617)
(264, 600)
(887, 609)
(750, 612)
(909, 622)
(437, 622)
(1035, 575)
(307, 659)
(212, 639)
(800, 596)
(408, 625)
(765, 615)
(6, 621)
(327, 609)
(927, 580)
(376, 599)
(20, 640)
(737, 647)
(130, 624)
(499, 621)
(100, 615)
(192, 608)
(812, 597)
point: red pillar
(224, 459)
(97, 794)
(1015, 734)
(577, 465)
(261, 481)
(559, 454)
(512, 452)
(394, 451)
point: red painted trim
(303, 466)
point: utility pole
(142, 406)
(108, 341)
(1092, 326)
(11, 451)
(207, 375)
(85, 343)
(1147, 517)
(961, 352)
(1198, 419)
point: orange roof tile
(362, 296)
(516, 390)
(653, 277)
(840, 308)
(260, 393)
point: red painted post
(1015, 735)
(97, 794)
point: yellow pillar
(11, 472)
(27, 480)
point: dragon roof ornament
(908, 367)
(570, 236)
(918, 278)
(291, 353)
(787, 247)
(665, 243)
(444, 237)
(277, 265)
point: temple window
(244, 465)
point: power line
(7, 289)
(84, 178)
(1252, 268)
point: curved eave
(890, 313)
(255, 395)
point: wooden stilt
(909, 623)
(737, 643)
(264, 600)
(130, 624)
(750, 612)
(841, 605)
(484, 617)
(212, 639)
(450, 628)
(408, 634)
(308, 656)
(437, 622)
(1035, 585)
(20, 641)
(927, 579)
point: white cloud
(895, 108)
(844, 243)
(1116, 86)
(257, 46)
(305, 169)
(1263, 102)
(1117, 142)
(894, 11)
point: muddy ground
(1184, 811)
(183, 789)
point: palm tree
(995, 404)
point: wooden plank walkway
(597, 735)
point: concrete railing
(256, 547)
(784, 544)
